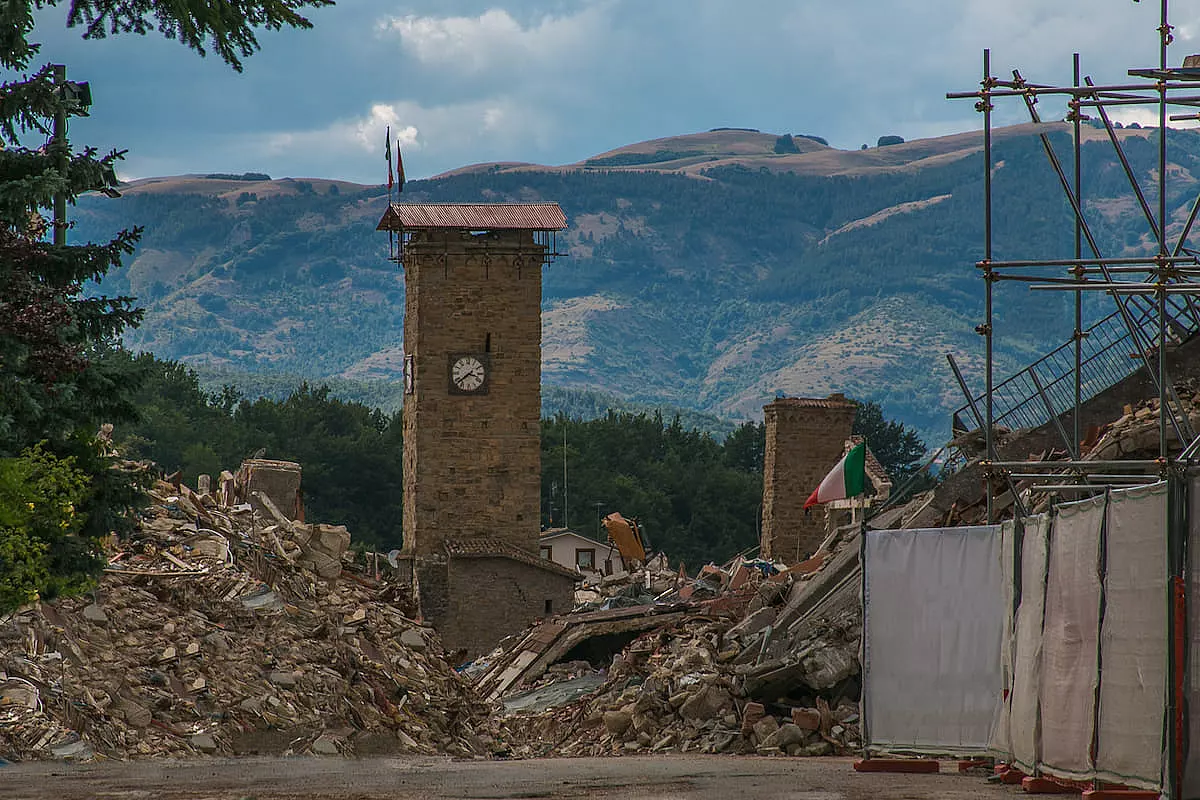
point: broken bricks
(218, 638)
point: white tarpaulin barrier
(1027, 649)
(1133, 638)
(1001, 739)
(933, 619)
(1071, 639)
(1191, 770)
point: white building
(576, 551)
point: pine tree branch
(227, 26)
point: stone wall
(472, 462)
(278, 480)
(491, 597)
(805, 438)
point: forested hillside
(711, 280)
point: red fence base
(1047, 786)
(1012, 777)
(1119, 794)
(907, 765)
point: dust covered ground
(643, 777)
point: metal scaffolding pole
(1079, 273)
(986, 107)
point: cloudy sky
(556, 81)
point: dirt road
(645, 778)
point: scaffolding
(1155, 307)
(1154, 295)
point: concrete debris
(643, 584)
(1132, 434)
(696, 671)
(221, 629)
(674, 690)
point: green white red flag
(847, 479)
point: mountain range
(708, 271)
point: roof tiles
(484, 547)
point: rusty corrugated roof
(474, 216)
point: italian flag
(847, 479)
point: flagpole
(399, 170)
(387, 154)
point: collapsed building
(224, 626)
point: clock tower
(472, 408)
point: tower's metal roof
(474, 216)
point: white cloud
(441, 136)
(495, 39)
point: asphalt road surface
(644, 778)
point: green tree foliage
(744, 448)
(898, 447)
(54, 387)
(227, 28)
(350, 454)
(42, 549)
(786, 144)
(695, 501)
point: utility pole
(564, 517)
(73, 98)
(60, 146)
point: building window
(585, 559)
(549, 606)
(546, 552)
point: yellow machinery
(625, 535)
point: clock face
(468, 374)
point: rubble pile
(642, 584)
(1135, 433)
(677, 690)
(216, 630)
(707, 683)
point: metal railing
(1109, 355)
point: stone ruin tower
(805, 438)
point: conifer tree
(61, 491)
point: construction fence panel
(1071, 640)
(1191, 765)
(933, 621)
(1133, 638)
(1001, 738)
(1027, 649)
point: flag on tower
(399, 166)
(847, 479)
(387, 153)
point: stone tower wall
(479, 455)
(805, 438)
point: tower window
(487, 343)
(549, 606)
